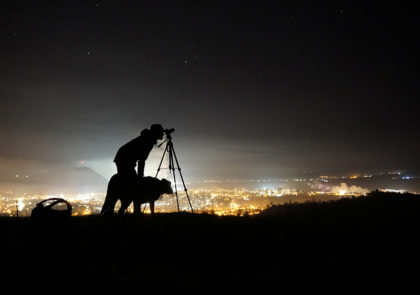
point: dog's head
(166, 186)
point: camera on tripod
(173, 165)
(168, 131)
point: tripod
(172, 161)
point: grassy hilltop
(352, 245)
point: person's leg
(140, 169)
(138, 194)
(128, 185)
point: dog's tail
(111, 198)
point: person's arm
(140, 168)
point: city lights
(217, 201)
(220, 197)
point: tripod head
(168, 135)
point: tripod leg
(161, 160)
(172, 168)
(182, 178)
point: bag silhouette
(52, 209)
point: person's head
(156, 130)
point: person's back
(137, 149)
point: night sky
(253, 88)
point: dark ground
(360, 246)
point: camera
(168, 131)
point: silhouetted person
(134, 152)
(137, 151)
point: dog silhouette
(146, 190)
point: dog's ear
(165, 181)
